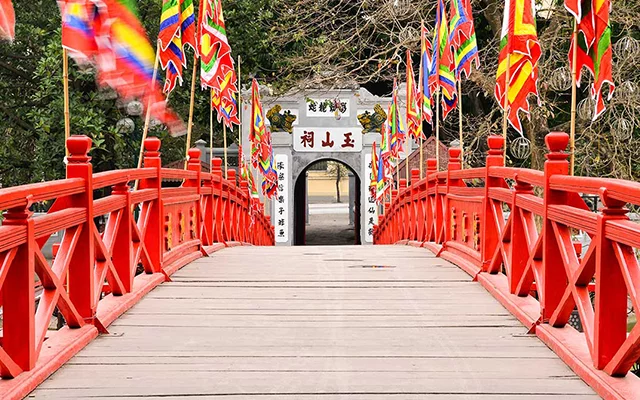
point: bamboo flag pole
(421, 159)
(224, 135)
(210, 129)
(438, 129)
(191, 104)
(574, 80)
(65, 84)
(239, 106)
(505, 105)
(147, 117)
(460, 122)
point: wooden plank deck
(313, 323)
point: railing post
(153, 239)
(414, 219)
(610, 327)
(490, 234)
(218, 187)
(554, 275)
(81, 281)
(122, 255)
(18, 298)
(402, 209)
(232, 222)
(194, 165)
(245, 209)
(393, 207)
(208, 209)
(455, 164)
(431, 218)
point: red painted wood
(529, 260)
(92, 279)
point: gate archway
(300, 198)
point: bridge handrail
(527, 257)
(97, 274)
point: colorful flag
(261, 149)
(397, 134)
(374, 170)
(78, 35)
(462, 35)
(441, 74)
(7, 21)
(177, 29)
(126, 58)
(414, 120)
(519, 45)
(594, 46)
(382, 177)
(425, 65)
(216, 65)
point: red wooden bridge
(174, 297)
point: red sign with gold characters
(327, 139)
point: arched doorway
(327, 222)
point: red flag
(7, 21)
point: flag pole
(460, 121)
(147, 117)
(65, 84)
(505, 104)
(574, 83)
(191, 104)
(438, 129)
(210, 129)
(421, 105)
(224, 135)
(239, 106)
(421, 158)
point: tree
(338, 170)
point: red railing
(98, 274)
(528, 260)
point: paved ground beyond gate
(317, 323)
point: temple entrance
(327, 205)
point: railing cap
(556, 141)
(194, 155)
(79, 146)
(152, 144)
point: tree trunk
(338, 178)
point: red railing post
(18, 299)
(122, 252)
(611, 291)
(414, 221)
(218, 187)
(82, 285)
(232, 223)
(195, 165)
(402, 209)
(554, 275)
(431, 217)
(245, 209)
(490, 234)
(208, 210)
(153, 238)
(393, 208)
(454, 165)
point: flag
(261, 149)
(78, 35)
(414, 120)
(594, 46)
(462, 36)
(425, 65)
(216, 65)
(519, 40)
(224, 101)
(441, 74)
(7, 21)
(374, 170)
(123, 55)
(177, 29)
(382, 177)
(397, 135)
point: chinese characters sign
(327, 139)
(281, 212)
(327, 107)
(371, 211)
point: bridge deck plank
(311, 323)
